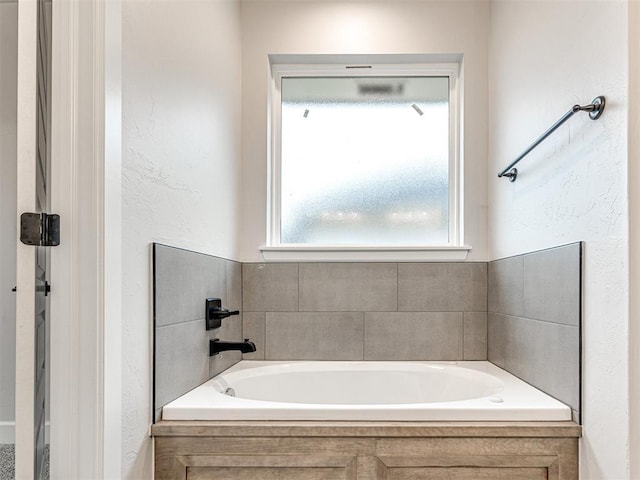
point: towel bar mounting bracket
(597, 107)
(511, 174)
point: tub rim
(522, 402)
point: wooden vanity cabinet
(366, 450)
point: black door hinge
(46, 288)
(40, 229)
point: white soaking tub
(391, 391)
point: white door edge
(85, 268)
(25, 255)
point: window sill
(293, 253)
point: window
(364, 156)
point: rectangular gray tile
(183, 280)
(442, 287)
(413, 336)
(270, 287)
(349, 287)
(547, 355)
(551, 360)
(475, 335)
(181, 359)
(230, 331)
(496, 338)
(314, 336)
(219, 363)
(233, 280)
(253, 329)
(505, 286)
(552, 285)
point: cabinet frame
(199, 450)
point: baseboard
(8, 432)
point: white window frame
(276, 251)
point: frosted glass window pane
(365, 161)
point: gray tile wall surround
(348, 287)
(533, 324)
(385, 296)
(442, 287)
(475, 336)
(522, 313)
(182, 359)
(413, 336)
(544, 354)
(182, 281)
(253, 327)
(506, 284)
(270, 287)
(551, 285)
(314, 335)
(543, 285)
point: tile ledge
(364, 254)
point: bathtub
(368, 391)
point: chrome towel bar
(595, 109)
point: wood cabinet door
(502, 467)
(265, 467)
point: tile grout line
(463, 332)
(298, 283)
(486, 332)
(364, 335)
(533, 319)
(397, 287)
(182, 322)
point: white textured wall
(546, 56)
(8, 92)
(180, 167)
(335, 27)
(634, 235)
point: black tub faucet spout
(216, 346)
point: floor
(7, 463)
